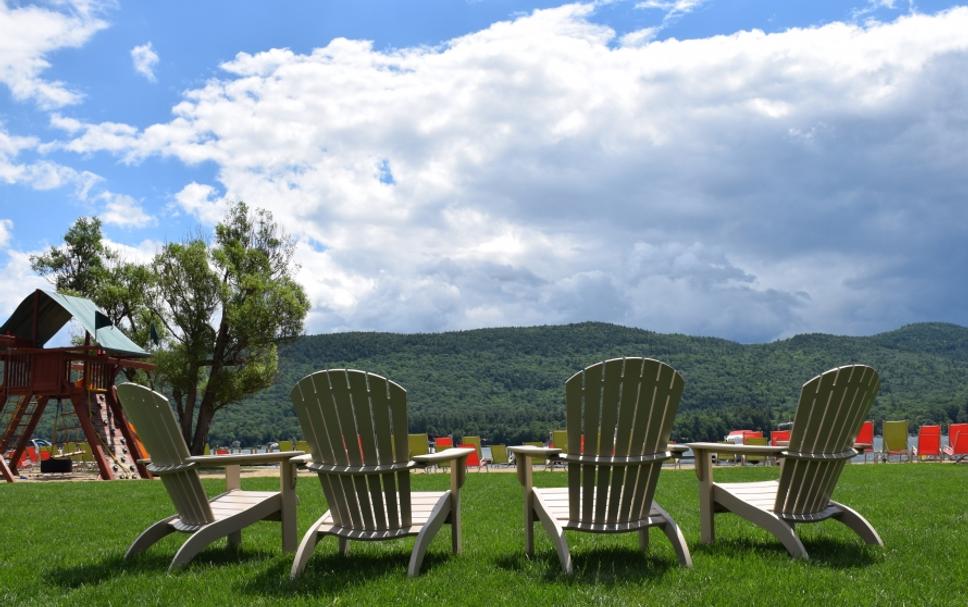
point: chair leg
(437, 517)
(644, 539)
(674, 533)
(148, 537)
(781, 529)
(197, 542)
(857, 523)
(306, 548)
(556, 533)
(529, 523)
(344, 546)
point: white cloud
(145, 59)
(28, 34)
(202, 201)
(743, 185)
(124, 211)
(6, 228)
(16, 271)
(142, 252)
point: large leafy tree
(219, 308)
(224, 307)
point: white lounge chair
(205, 519)
(623, 410)
(832, 408)
(356, 425)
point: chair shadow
(604, 566)
(823, 551)
(331, 574)
(154, 563)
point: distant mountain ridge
(507, 384)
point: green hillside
(507, 384)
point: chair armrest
(302, 460)
(532, 451)
(677, 450)
(741, 449)
(443, 456)
(245, 458)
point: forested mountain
(507, 384)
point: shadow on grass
(603, 566)
(823, 551)
(154, 563)
(330, 574)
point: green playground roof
(54, 310)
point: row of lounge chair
(619, 416)
(928, 444)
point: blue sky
(748, 170)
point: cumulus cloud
(42, 174)
(123, 211)
(29, 33)
(748, 185)
(145, 59)
(15, 270)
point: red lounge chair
(866, 436)
(778, 436)
(472, 458)
(957, 448)
(929, 442)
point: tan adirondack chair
(624, 407)
(356, 424)
(205, 519)
(831, 409)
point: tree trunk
(205, 415)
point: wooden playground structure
(81, 376)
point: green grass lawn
(62, 543)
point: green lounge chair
(205, 519)
(356, 424)
(499, 455)
(418, 444)
(831, 409)
(630, 404)
(754, 440)
(895, 440)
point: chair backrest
(831, 409)
(158, 430)
(472, 458)
(896, 436)
(866, 435)
(443, 442)
(777, 436)
(954, 430)
(356, 426)
(418, 444)
(758, 441)
(472, 441)
(929, 440)
(624, 407)
(499, 454)
(961, 444)
(559, 439)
